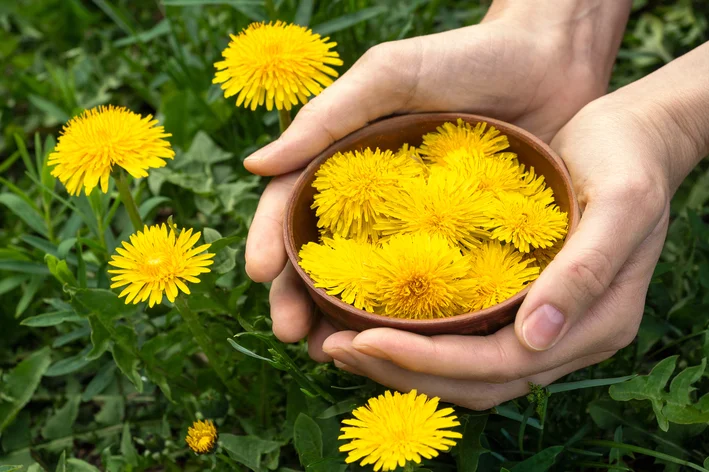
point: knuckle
(590, 273)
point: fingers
(265, 250)
(291, 306)
(608, 234)
(610, 324)
(372, 88)
(323, 329)
(468, 393)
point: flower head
(156, 261)
(542, 257)
(420, 276)
(446, 204)
(526, 222)
(279, 64)
(499, 272)
(394, 429)
(341, 267)
(448, 138)
(201, 436)
(353, 186)
(99, 139)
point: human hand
(535, 76)
(627, 154)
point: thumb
(372, 88)
(609, 231)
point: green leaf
(248, 450)
(25, 267)
(568, 386)
(349, 20)
(25, 212)
(69, 365)
(50, 109)
(77, 465)
(675, 406)
(101, 380)
(249, 353)
(127, 448)
(61, 423)
(204, 151)
(51, 319)
(150, 204)
(20, 384)
(128, 363)
(304, 12)
(60, 270)
(10, 468)
(61, 465)
(100, 338)
(225, 259)
(71, 336)
(160, 29)
(104, 303)
(28, 294)
(338, 409)
(307, 439)
(470, 448)
(539, 462)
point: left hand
(587, 303)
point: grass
(87, 382)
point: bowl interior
(392, 133)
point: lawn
(89, 383)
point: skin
(542, 68)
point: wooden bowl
(301, 224)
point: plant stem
(95, 204)
(203, 341)
(284, 119)
(409, 466)
(128, 202)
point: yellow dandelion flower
(446, 204)
(157, 261)
(542, 257)
(499, 272)
(94, 142)
(527, 223)
(392, 430)
(201, 436)
(448, 138)
(341, 267)
(420, 276)
(281, 64)
(352, 188)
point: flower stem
(284, 119)
(128, 202)
(203, 341)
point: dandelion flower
(448, 138)
(420, 276)
(341, 267)
(157, 261)
(392, 430)
(201, 436)
(542, 257)
(99, 139)
(499, 272)
(352, 187)
(279, 64)
(446, 204)
(527, 223)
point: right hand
(500, 68)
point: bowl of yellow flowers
(434, 223)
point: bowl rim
(388, 321)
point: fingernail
(341, 355)
(541, 329)
(370, 351)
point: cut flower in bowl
(432, 223)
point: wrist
(586, 33)
(672, 104)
